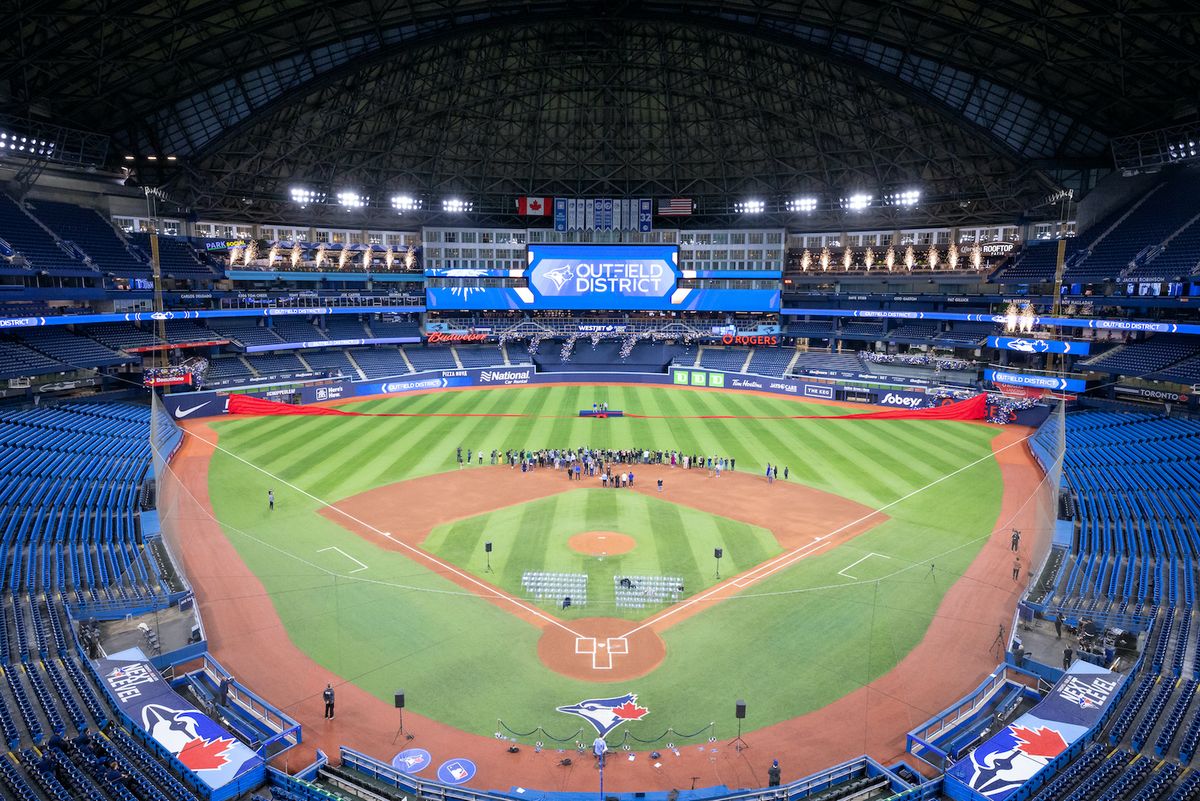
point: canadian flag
(533, 206)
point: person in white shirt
(599, 748)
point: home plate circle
(601, 649)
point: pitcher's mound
(601, 543)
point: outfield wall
(211, 403)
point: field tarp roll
(974, 408)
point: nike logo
(181, 413)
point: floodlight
(349, 199)
(404, 203)
(857, 202)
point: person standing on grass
(271, 500)
(775, 473)
(785, 472)
(328, 698)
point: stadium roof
(976, 103)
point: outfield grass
(793, 643)
(672, 540)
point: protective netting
(174, 504)
(1049, 501)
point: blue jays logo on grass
(607, 713)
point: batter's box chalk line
(601, 652)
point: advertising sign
(1019, 751)
(436, 337)
(1031, 345)
(1050, 382)
(898, 399)
(1149, 395)
(202, 746)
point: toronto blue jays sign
(206, 749)
(1015, 754)
(605, 714)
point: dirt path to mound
(246, 635)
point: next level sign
(1031, 345)
(1050, 382)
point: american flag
(675, 207)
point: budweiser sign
(434, 337)
(757, 339)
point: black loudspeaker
(399, 699)
(718, 553)
(487, 547)
(739, 710)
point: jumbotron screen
(616, 277)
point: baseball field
(373, 556)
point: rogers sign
(434, 337)
(760, 339)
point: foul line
(361, 567)
(795, 555)
(490, 590)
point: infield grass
(793, 643)
(672, 540)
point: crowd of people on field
(588, 462)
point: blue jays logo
(607, 713)
(560, 276)
(178, 730)
(1009, 759)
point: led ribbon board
(1032, 345)
(1053, 383)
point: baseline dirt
(246, 635)
(601, 543)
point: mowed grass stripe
(671, 541)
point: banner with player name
(603, 214)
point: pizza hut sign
(760, 339)
(434, 337)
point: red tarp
(974, 408)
